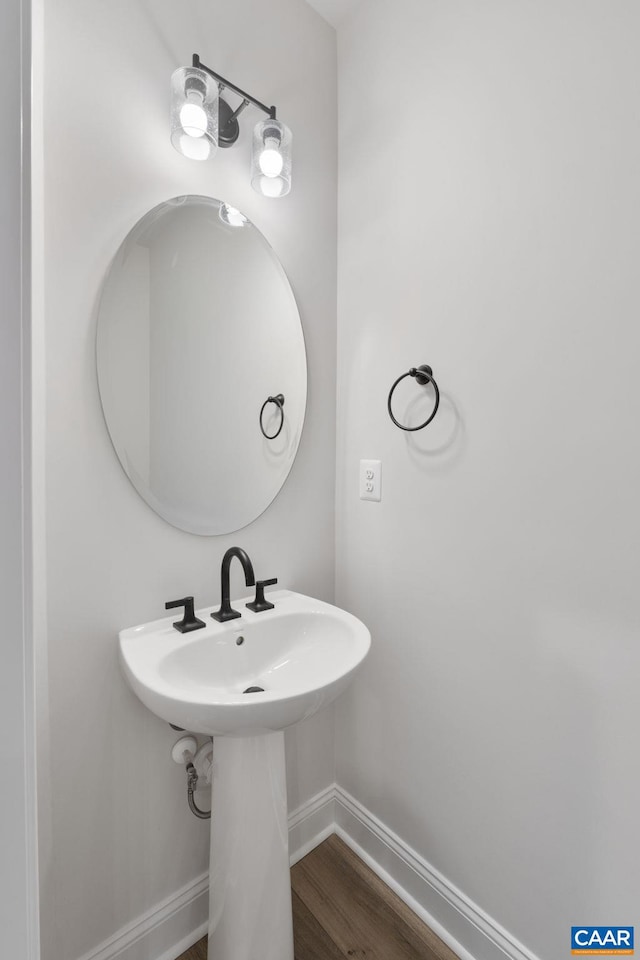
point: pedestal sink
(243, 682)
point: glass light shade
(194, 113)
(271, 158)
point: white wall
(119, 836)
(18, 891)
(489, 211)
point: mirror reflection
(198, 335)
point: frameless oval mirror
(201, 365)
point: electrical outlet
(370, 479)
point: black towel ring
(423, 375)
(279, 402)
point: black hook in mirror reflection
(278, 400)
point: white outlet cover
(370, 479)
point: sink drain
(254, 690)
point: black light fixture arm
(247, 98)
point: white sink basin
(303, 653)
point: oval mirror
(201, 365)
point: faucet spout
(226, 611)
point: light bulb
(270, 160)
(271, 186)
(193, 118)
(194, 148)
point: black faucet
(226, 611)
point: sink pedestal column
(250, 889)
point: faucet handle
(189, 621)
(260, 604)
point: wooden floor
(343, 911)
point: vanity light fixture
(201, 121)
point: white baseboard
(311, 823)
(470, 932)
(171, 927)
(165, 931)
